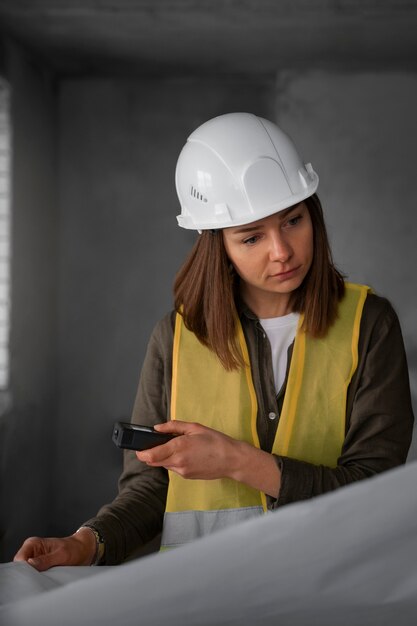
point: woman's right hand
(43, 553)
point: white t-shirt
(281, 332)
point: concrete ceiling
(84, 37)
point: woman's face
(272, 257)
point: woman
(281, 381)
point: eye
(293, 221)
(251, 240)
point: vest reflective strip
(184, 526)
(175, 353)
(252, 392)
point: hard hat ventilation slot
(197, 195)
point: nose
(280, 249)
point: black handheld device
(136, 437)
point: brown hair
(205, 291)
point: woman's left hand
(202, 453)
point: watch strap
(100, 544)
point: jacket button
(272, 415)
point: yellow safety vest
(311, 426)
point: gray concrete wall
(25, 429)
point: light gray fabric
(20, 580)
(185, 526)
(349, 557)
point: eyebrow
(249, 229)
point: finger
(22, 555)
(42, 563)
(57, 556)
(177, 427)
(30, 548)
(157, 454)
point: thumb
(44, 562)
(177, 427)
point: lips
(287, 274)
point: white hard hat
(238, 168)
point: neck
(266, 305)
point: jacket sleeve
(379, 420)
(135, 516)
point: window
(5, 149)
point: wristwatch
(100, 544)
